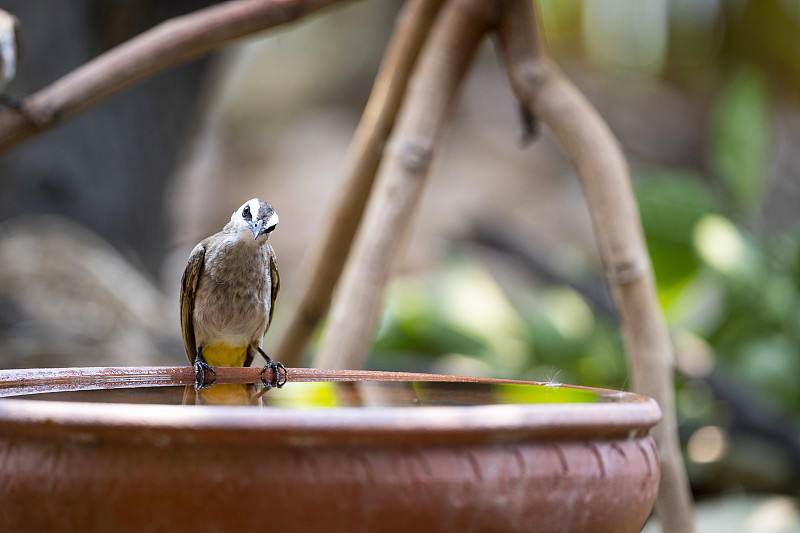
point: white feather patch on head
(272, 220)
(253, 203)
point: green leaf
(741, 129)
(671, 202)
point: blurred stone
(67, 298)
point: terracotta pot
(87, 466)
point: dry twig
(329, 252)
(169, 44)
(445, 59)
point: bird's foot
(276, 374)
(200, 368)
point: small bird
(228, 293)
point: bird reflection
(225, 394)
(315, 394)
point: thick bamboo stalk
(164, 46)
(431, 97)
(329, 252)
(546, 94)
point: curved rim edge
(629, 415)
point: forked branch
(548, 96)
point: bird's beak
(256, 228)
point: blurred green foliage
(740, 137)
(461, 321)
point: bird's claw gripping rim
(276, 375)
(200, 368)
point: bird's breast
(232, 300)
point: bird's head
(255, 217)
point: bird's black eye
(246, 212)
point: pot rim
(619, 415)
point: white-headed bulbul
(228, 293)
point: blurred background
(501, 277)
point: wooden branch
(329, 252)
(592, 148)
(164, 46)
(431, 98)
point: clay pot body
(120, 467)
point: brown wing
(189, 281)
(275, 279)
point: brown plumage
(228, 293)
